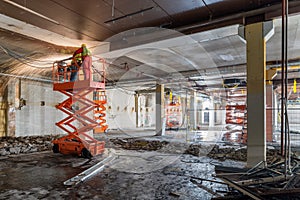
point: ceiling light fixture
(31, 11)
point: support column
(13, 103)
(160, 108)
(256, 101)
(269, 112)
(223, 110)
(3, 111)
(276, 111)
(199, 113)
(137, 110)
(212, 113)
(193, 110)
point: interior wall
(294, 116)
(33, 118)
(148, 108)
(120, 109)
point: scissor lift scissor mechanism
(84, 109)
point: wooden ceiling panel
(193, 16)
(95, 10)
(220, 7)
(86, 19)
(179, 6)
(72, 24)
(127, 6)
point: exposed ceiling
(151, 31)
(101, 19)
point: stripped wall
(35, 118)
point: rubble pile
(224, 153)
(240, 154)
(139, 144)
(27, 144)
(199, 149)
(211, 150)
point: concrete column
(13, 99)
(256, 101)
(269, 112)
(275, 111)
(223, 111)
(160, 108)
(212, 113)
(193, 111)
(137, 110)
(199, 112)
(3, 111)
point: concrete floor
(213, 135)
(132, 175)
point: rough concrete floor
(132, 175)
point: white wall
(34, 119)
(294, 117)
(122, 112)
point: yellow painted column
(256, 99)
(3, 111)
(3, 119)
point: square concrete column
(137, 110)
(256, 100)
(160, 108)
(269, 112)
(212, 113)
(193, 110)
(3, 111)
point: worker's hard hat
(83, 45)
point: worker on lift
(86, 60)
(74, 68)
(61, 68)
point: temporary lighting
(31, 11)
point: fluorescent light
(31, 11)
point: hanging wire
(24, 59)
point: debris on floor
(139, 144)
(217, 151)
(27, 144)
(133, 175)
(143, 169)
(271, 181)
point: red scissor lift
(173, 114)
(82, 114)
(236, 114)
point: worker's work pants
(87, 64)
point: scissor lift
(99, 111)
(80, 107)
(173, 114)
